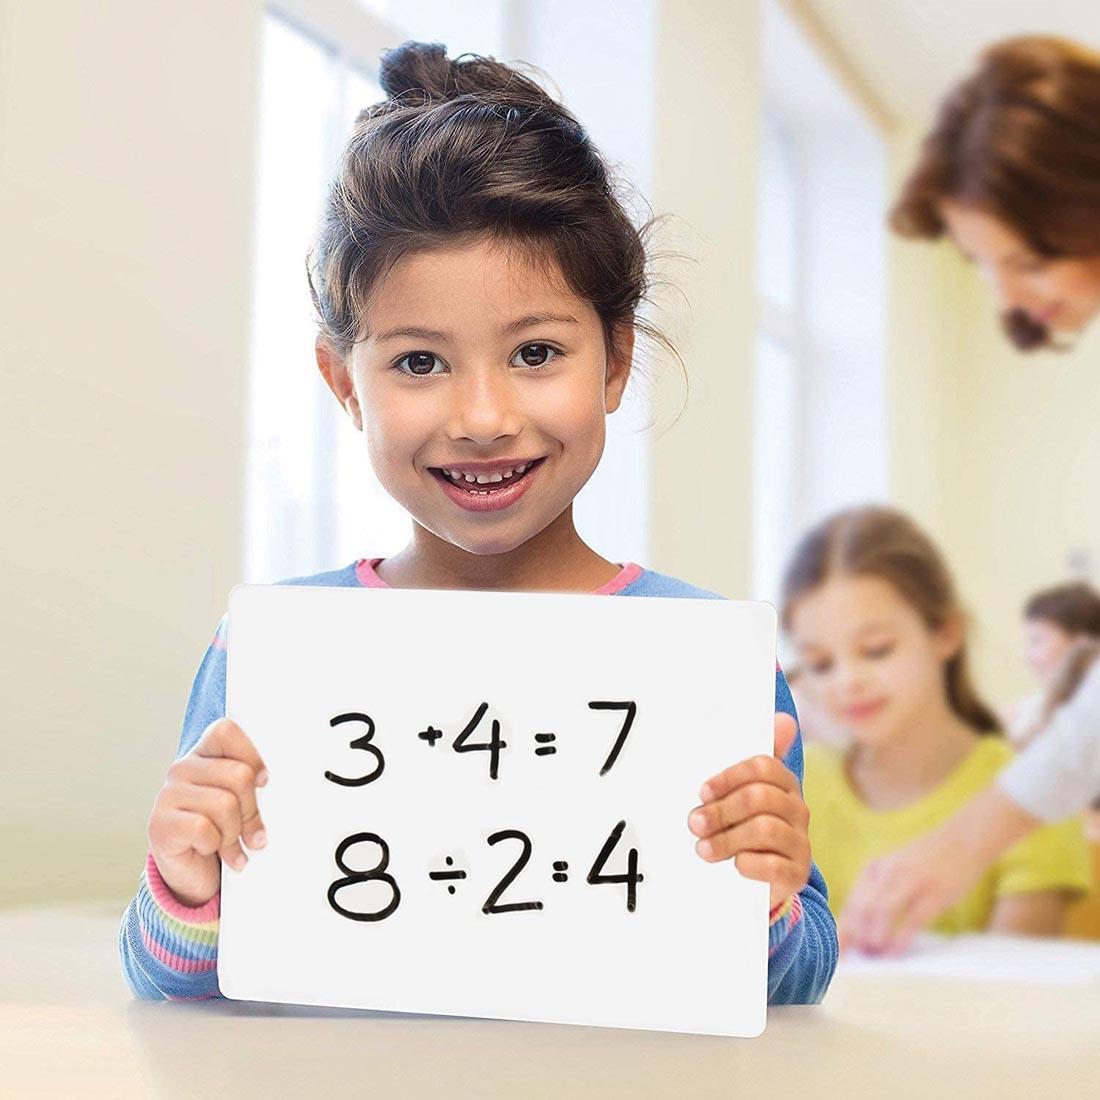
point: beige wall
(997, 452)
(123, 340)
(701, 479)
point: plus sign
(431, 735)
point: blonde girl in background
(872, 611)
(477, 280)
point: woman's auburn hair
(878, 541)
(465, 150)
(1019, 139)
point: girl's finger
(238, 778)
(757, 769)
(224, 738)
(174, 832)
(748, 802)
(870, 914)
(766, 867)
(764, 833)
(223, 809)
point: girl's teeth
(485, 479)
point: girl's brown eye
(419, 362)
(536, 355)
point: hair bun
(419, 66)
(425, 67)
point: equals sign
(545, 748)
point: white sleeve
(1058, 774)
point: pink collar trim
(367, 575)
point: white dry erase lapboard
(412, 866)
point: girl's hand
(205, 808)
(754, 812)
(899, 894)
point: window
(820, 440)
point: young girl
(476, 280)
(870, 605)
(1056, 620)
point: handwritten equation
(494, 745)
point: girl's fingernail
(704, 793)
(262, 778)
(237, 861)
(704, 848)
(259, 839)
(697, 821)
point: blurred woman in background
(1011, 172)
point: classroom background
(162, 168)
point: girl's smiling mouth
(487, 486)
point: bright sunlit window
(820, 361)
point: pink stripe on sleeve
(177, 962)
(189, 914)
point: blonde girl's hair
(877, 541)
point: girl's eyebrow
(533, 319)
(875, 627)
(417, 332)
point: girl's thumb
(786, 730)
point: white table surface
(69, 1027)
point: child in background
(814, 721)
(477, 281)
(872, 610)
(1055, 620)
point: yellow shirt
(846, 834)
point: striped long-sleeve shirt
(169, 950)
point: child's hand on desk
(754, 813)
(205, 808)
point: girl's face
(869, 656)
(1045, 644)
(482, 388)
(1063, 294)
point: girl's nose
(1008, 289)
(485, 407)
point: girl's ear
(335, 371)
(619, 362)
(950, 637)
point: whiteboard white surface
(691, 956)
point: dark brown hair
(1072, 669)
(876, 541)
(467, 149)
(1074, 607)
(1019, 139)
